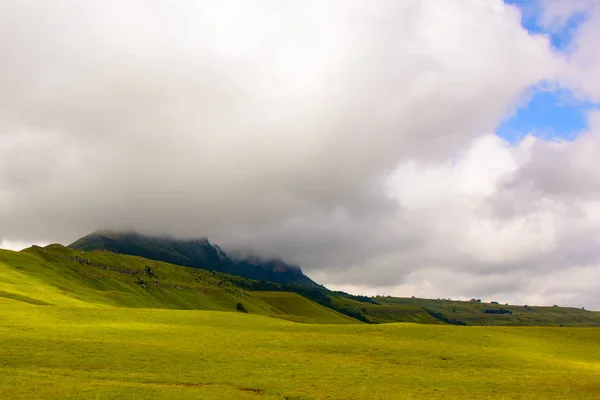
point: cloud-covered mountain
(196, 253)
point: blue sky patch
(531, 13)
(549, 114)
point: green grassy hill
(481, 313)
(56, 275)
(123, 353)
(297, 308)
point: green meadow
(103, 326)
(122, 353)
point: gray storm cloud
(323, 132)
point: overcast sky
(436, 148)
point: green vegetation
(277, 276)
(123, 353)
(479, 313)
(56, 275)
(99, 325)
(297, 308)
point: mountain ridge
(194, 253)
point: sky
(440, 148)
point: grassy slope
(473, 313)
(123, 353)
(99, 279)
(431, 311)
(296, 308)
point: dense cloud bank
(352, 137)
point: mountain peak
(195, 253)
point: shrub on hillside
(443, 318)
(497, 311)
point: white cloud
(579, 72)
(223, 114)
(556, 13)
(509, 223)
(351, 137)
(17, 246)
(522, 224)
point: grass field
(102, 326)
(53, 352)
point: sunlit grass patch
(110, 353)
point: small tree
(148, 271)
(240, 308)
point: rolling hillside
(297, 308)
(480, 313)
(56, 275)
